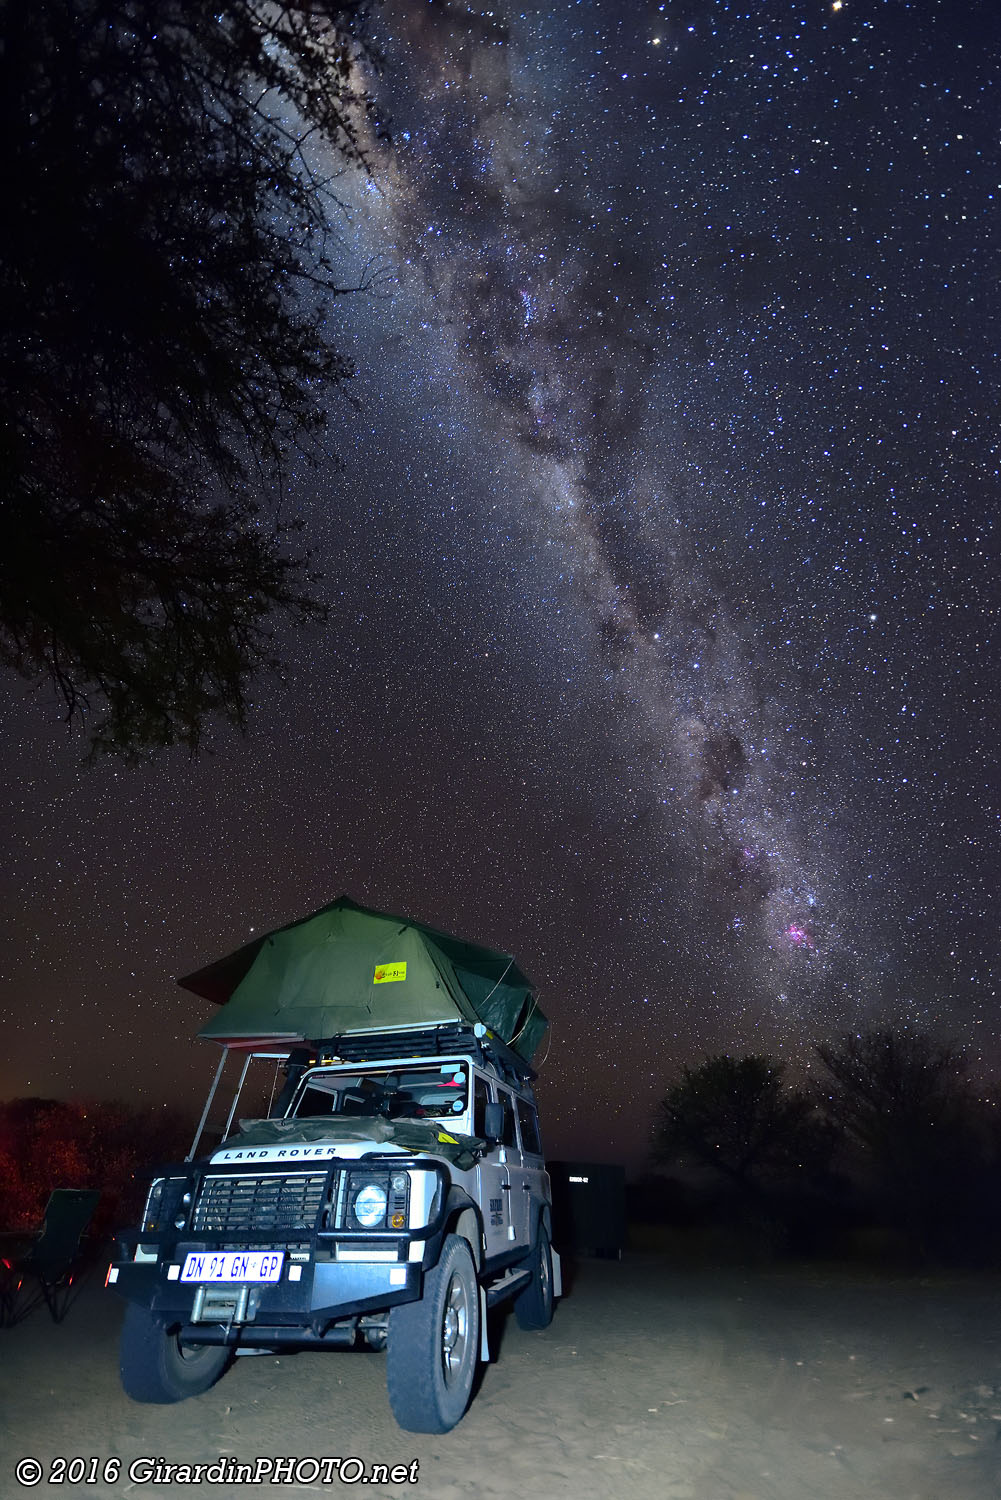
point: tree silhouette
(52, 1143)
(166, 269)
(904, 1106)
(734, 1116)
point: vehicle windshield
(396, 1094)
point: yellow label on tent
(447, 1140)
(390, 973)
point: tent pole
(208, 1106)
(236, 1096)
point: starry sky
(662, 571)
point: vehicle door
(528, 1190)
(519, 1232)
(493, 1178)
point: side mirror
(493, 1122)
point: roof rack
(426, 1041)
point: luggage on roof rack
(361, 1046)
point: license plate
(234, 1265)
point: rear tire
(433, 1345)
(533, 1306)
(156, 1367)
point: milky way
(661, 564)
(721, 275)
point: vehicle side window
(481, 1098)
(509, 1137)
(529, 1122)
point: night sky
(662, 567)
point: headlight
(368, 1206)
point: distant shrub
(50, 1143)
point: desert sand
(653, 1383)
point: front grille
(280, 1202)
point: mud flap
(484, 1340)
(557, 1273)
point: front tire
(433, 1345)
(156, 1367)
(533, 1307)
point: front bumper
(325, 1293)
(318, 1288)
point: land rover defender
(395, 1191)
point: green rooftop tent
(348, 969)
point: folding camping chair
(51, 1261)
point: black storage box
(589, 1207)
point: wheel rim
(543, 1272)
(454, 1331)
(191, 1354)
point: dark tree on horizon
(910, 1124)
(882, 1082)
(737, 1118)
(167, 263)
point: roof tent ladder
(208, 1105)
(274, 1086)
(236, 1096)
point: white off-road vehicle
(396, 1190)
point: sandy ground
(782, 1384)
